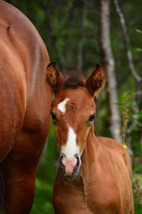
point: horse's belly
(12, 107)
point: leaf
(139, 31)
(138, 49)
(138, 115)
(134, 128)
(137, 169)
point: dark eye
(92, 117)
(53, 116)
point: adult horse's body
(24, 108)
(96, 171)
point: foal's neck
(89, 156)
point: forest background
(80, 34)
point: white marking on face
(62, 106)
(71, 148)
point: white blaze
(62, 106)
(71, 148)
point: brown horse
(25, 102)
(94, 173)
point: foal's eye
(92, 117)
(53, 116)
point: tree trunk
(114, 116)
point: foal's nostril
(62, 167)
(62, 156)
(77, 165)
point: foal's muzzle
(69, 166)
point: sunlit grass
(43, 198)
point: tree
(136, 77)
(126, 40)
(109, 63)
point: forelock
(74, 79)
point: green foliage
(138, 169)
(139, 31)
(137, 205)
(47, 166)
(45, 177)
(135, 119)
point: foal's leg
(19, 187)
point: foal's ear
(54, 77)
(96, 81)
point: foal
(94, 173)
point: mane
(74, 79)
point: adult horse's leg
(19, 191)
(2, 191)
(12, 105)
(19, 195)
(19, 171)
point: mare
(94, 175)
(25, 102)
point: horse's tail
(2, 191)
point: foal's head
(73, 113)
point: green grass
(43, 198)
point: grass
(43, 198)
